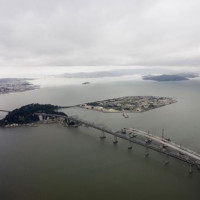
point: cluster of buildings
(15, 85)
(18, 125)
(129, 103)
(51, 119)
(62, 120)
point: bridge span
(145, 139)
(6, 111)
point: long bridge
(149, 141)
(6, 111)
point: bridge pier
(130, 145)
(147, 140)
(102, 135)
(167, 159)
(190, 169)
(146, 152)
(115, 140)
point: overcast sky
(99, 33)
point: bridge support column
(146, 152)
(130, 145)
(167, 159)
(115, 140)
(102, 135)
(190, 169)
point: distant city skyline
(96, 33)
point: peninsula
(9, 85)
(129, 104)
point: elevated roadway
(145, 139)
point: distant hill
(108, 73)
(166, 77)
(99, 74)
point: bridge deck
(155, 143)
(166, 143)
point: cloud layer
(99, 32)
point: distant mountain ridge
(99, 74)
(111, 73)
(125, 72)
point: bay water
(54, 162)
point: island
(35, 113)
(30, 114)
(86, 83)
(128, 104)
(171, 77)
(8, 85)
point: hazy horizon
(41, 72)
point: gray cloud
(88, 32)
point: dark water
(54, 162)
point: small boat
(125, 114)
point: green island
(26, 114)
(129, 104)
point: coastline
(15, 85)
(20, 91)
(36, 124)
(128, 104)
(127, 111)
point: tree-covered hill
(25, 114)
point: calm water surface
(55, 162)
